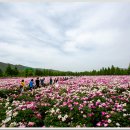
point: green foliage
(26, 71)
(2, 111)
(24, 97)
(62, 91)
(1, 73)
(5, 93)
(25, 116)
(9, 71)
(16, 72)
(38, 72)
(128, 71)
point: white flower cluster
(7, 104)
(9, 113)
(63, 118)
(6, 120)
(53, 111)
(117, 124)
(13, 124)
(124, 115)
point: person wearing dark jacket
(50, 81)
(37, 82)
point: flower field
(88, 101)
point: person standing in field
(51, 81)
(31, 84)
(22, 85)
(42, 81)
(37, 82)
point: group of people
(40, 83)
(32, 84)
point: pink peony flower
(104, 113)
(38, 116)
(98, 124)
(76, 103)
(31, 124)
(64, 103)
(107, 116)
(105, 125)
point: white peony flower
(124, 110)
(117, 124)
(7, 119)
(124, 104)
(59, 117)
(66, 116)
(57, 110)
(9, 108)
(109, 120)
(124, 115)
(98, 100)
(15, 114)
(7, 103)
(52, 111)
(84, 116)
(13, 124)
(81, 112)
(63, 119)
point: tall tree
(15, 71)
(128, 70)
(38, 72)
(9, 71)
(112, 70)
(1, 73)
(30, 72)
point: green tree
(15, 71)
(1, 73)
(26, 72)
(30, 72)
(9, 71)
(112, 72)
(38, 72)
(128, 70)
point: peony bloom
(13, 124)
(63, 118)
(22, 126)
(31, 124)
(109, 120)
(107, 116)
(84, 116)
(38, 116)
(66, 116)
(57, 110)
(124, 110)
(15, 114)
(70, 105)
(52, 111)
(117, 124)
(124, 115)
(59, 117)
(124, 104)
(105, 125)
(98, 124)
(64, 103)
(104, 113)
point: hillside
(4, 65)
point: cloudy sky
(65, 36)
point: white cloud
(65, 36)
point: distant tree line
(14, 72)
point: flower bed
(93, 101)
